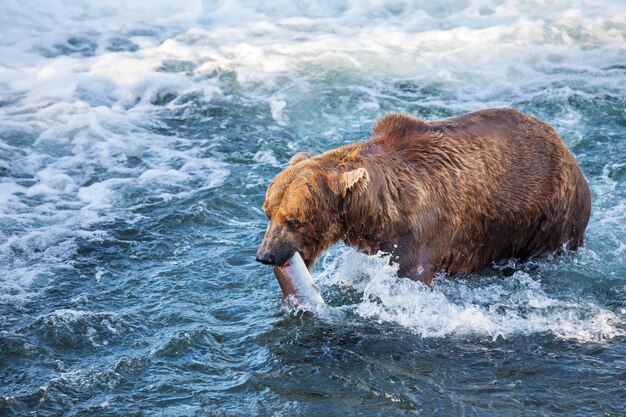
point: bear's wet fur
(453, 195)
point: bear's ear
(357, 180)
(299, 157)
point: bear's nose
(265, 257)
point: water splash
(488, 306)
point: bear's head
(304, 205)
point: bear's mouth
(288, 262)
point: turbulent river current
(137, 139)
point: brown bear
(453, 195)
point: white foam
(455, 44)
(277, 106)
(265, 157)
(508, 307)
(100, 194)
(88, 114)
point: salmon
(295, 280)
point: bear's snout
(265, 257)
(275, 253)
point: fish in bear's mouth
(296, 282)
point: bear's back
(503, 181)
(503, 154)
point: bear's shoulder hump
(396, 126)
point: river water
(136, 143)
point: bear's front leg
(418, 273)
(414, 262)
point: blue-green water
(136, 143)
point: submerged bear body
(454, 195)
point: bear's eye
(292, 223)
